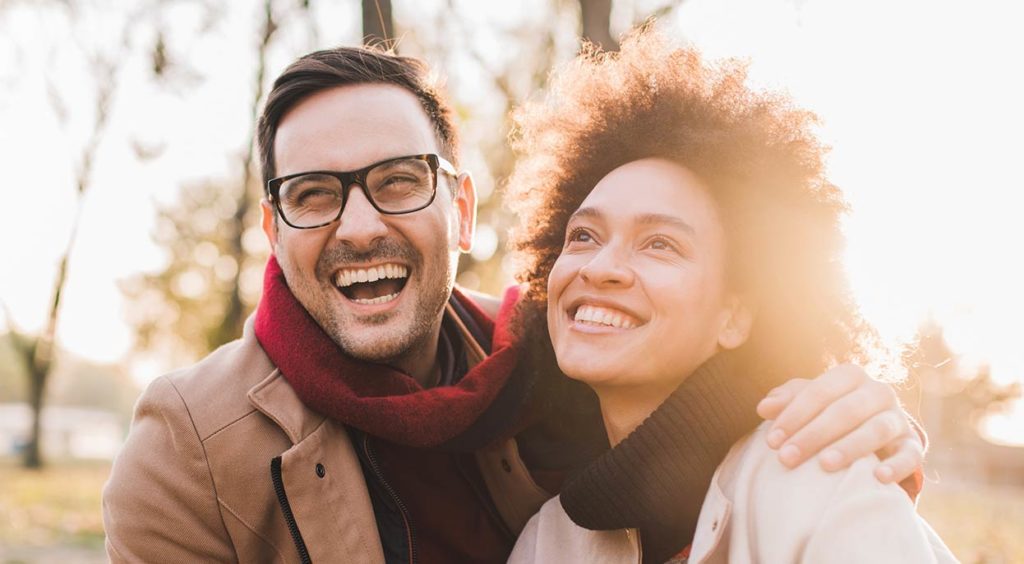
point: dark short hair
(755, 152)
(346, 66)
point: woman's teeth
(595, 315)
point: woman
(678, 228)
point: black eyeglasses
(307, 200)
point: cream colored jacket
(758, 511)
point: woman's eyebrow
(665, 219)
(586, 213)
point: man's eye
(399, 180)
(307, 195)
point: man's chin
(381, 341)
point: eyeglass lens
(395, 187)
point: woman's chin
(594, 374)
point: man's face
(414, 255)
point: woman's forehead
(650, 192)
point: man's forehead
(348, 127)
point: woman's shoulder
(753, 479)
(751, 459)
(552, 536)
(807, 514)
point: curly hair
(754, 151)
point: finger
(916, 435)
(884, 428)
(812, 399)
(898, 467)
(772, 405)
(848, 417)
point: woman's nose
(608, 267)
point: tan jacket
(758, 511)
(193, 481)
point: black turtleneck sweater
(655, 480)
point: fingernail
(790, 455)
(776, 437)
(831, 459)
(884, 473)
(774, 392)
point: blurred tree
(196, 302)
(73, 381)
(201, 298)
(596, 19)
(950, 399)
(248, 192)
(378, 23)
(13, 384)
(36, 352)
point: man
(365, 414)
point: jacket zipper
(394, 496)
(286, 508)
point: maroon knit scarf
(378, 399)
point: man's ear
(736, 325)
(465, 206)
(269, 224)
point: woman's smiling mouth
(596, 316)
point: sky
(919, 100)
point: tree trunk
(38, 353)
(37, 388)
(378, 24)
(596, 17)
(234, 315)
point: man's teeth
(595, 315)
(349, 276)
(377, 300)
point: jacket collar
(276, 399)
(273, 397)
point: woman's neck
(624, 408)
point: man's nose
(360, 223)
(609, 267)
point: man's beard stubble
(434, 289)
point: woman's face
(638, 295)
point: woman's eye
(579, 235)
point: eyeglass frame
(436, 163)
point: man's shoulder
(215, 390)
(487, 303)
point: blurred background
(130, 203)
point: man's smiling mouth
(372, 285)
